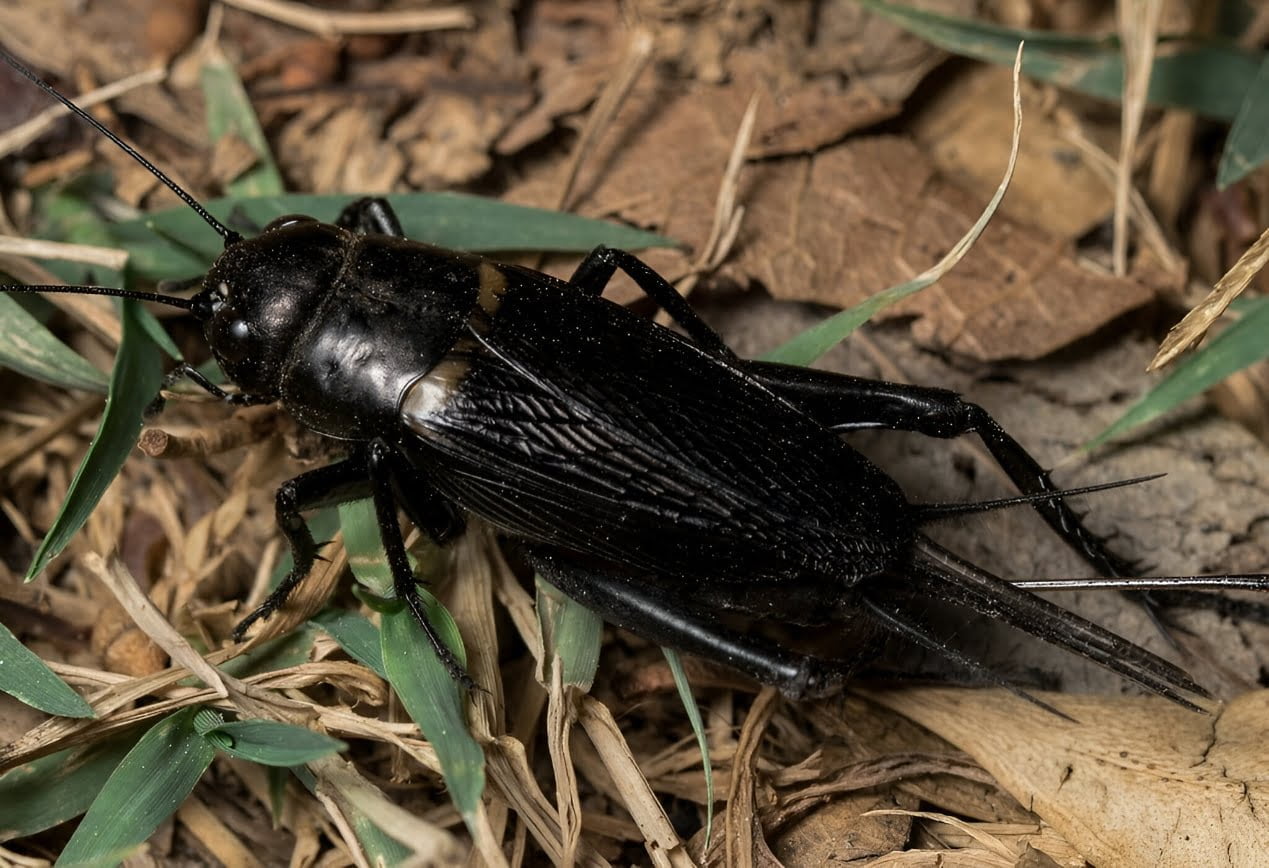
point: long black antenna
(230, 236)
(182, 303)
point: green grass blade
(51, 790)
(1242, 344)
(698, 727)
(434, 701)
(229, 112)
(1248, 144)
(452, 220)
(356, 635)
(805, 348)
(1208, 78)
(146, 787)
(366, 558)
(272, 743)
(572, 631)
(133, 384)
(24, 676)
(420, 680)
(29, 348)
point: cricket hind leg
(662, 614)
(598, 268)
(844, 403)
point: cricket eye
(232, 340)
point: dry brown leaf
(840, 831)
(1138, 781)
(871, 213)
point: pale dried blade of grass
(115, 576)
(341, 779)
(1105, 166)
(1191, 329)
(560, 716)
(19, 447)
(509, 773)
(469, 599)
(660, 839)
(87, 254)
(638, 53)
(990, 842)
(1138, 30)
(739, 821)
(308, 598)
(25, 133)
(727, 216)
(219, 839)
(330, 22)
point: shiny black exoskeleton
(651, 475)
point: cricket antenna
(230, 236)
(182, 303)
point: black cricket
(654, 477)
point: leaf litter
(865, 164)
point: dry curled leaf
(1137, 781)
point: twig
(328, 22)
(249, 425)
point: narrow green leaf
(366, 558)
(51, 790)
(805, 348)
(450, 220)
(434, 701)
(229, 112)
(24, 676)
(145, 789)
(272, 743)
(1248, 144)
(698, 727)
(1209, 78)
(134, 382)
(29, 348)
(1242, 344)
(356, 635)
(572, 631)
